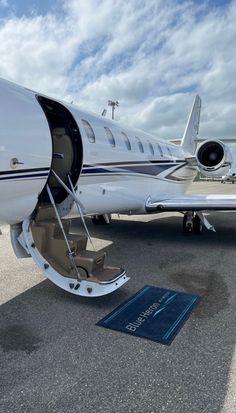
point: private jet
(59, 164)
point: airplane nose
(25, 152)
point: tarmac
(53, 357)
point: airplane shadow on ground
(54, 358)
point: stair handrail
(77, 202)
(70, 253)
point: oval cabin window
(110, 136)
(127, 141)
(151, 148)
(160, 149)
(89, 131)
(140, 145)
(169, 151)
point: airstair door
(67, 262)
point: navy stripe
(161, 161)
(24, 171)
(148, 169)
(98, 171)
(23, 177)
(120, 174)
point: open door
(55, 245)
(67, 149)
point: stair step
(107, 274)
(91, 261)
(46, 237)
(79, 243)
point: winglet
(188, 142)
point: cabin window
(89, 131)
(169, 151)
(160, 149)
(127, 141)
(140, 145)
(151, 148)
(110, 136)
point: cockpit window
(140, 145)
(127, 141)
(110, 136)
(89, 131)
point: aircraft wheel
(197, 225)
(187, 228)
(101, 219)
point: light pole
(113, 104)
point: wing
(193, 203)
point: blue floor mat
(153, 313)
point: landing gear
(192, 223)
(197, 225)
(187, 223)
(101, 219)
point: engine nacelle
(213, 158)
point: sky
(152, 56)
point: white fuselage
(120, 168)
(118, 179)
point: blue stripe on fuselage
(148, 169)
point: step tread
(107, 274)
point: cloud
(36, 52)
(152, 56)
(4, 3)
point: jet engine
(213, 158)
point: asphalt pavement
(53, 357)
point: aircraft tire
(100, 220)
(186, 229)
(197, 225)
